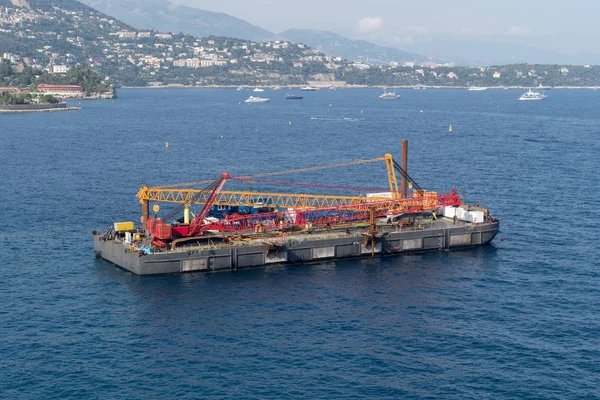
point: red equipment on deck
(321, 217)
(162, 231)
(295, 211)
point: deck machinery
(327, 222)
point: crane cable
(290, 171)
(362, 189)
(405, 175)
(193, 199)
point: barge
(239, 230)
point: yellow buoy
(156, 208)
(450, 129)
(167, 145)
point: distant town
(53, 40)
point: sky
(558, 25)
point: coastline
(43, 110)
(338, 86)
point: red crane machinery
(289, 210)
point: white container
(460, 213)
(475, 217)
(384, 195)
(449, 212)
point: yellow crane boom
(244, 198)
(178, 194)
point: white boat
(532, 95)
(253, 99)
(309, 89)
(388, 95)
(477, 88)
(258, 90)
(240, 88)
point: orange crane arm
(196, 226)
(245, 198)
(389, 163)
(170, 193)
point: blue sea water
(519, 319)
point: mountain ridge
(334, 44)
(169, 17)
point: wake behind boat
(253, 99)
(532, 95)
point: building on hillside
(8, 89)
(59, 69)
(127, 35)
(61, 90)
(13, 58)
(361, 66)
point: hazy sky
(560, 25)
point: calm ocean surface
(519, 319)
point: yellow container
(124, 226)
(137, 237)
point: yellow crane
(187, 196)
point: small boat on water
(240, 88)
(532, 95)
(253, 99)
(309, 89)
(293, 97)
(477, 88)
(388, 95)
(258, 90)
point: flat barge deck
(230, 253)
(290, 228)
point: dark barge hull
(311, 248)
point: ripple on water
(517, 319)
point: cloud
(419, 30)
(370, 24)
(403, 39)
(468, 31)
(517, 30)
